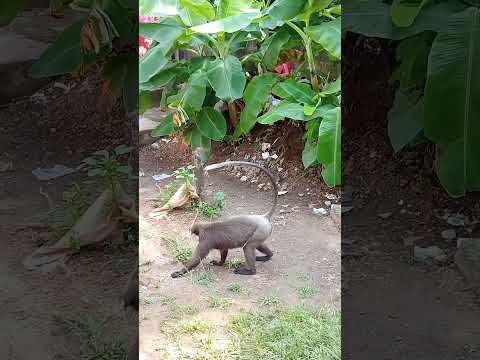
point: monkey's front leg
(200, 253)
(223, 257)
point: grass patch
(287, 334)
(203, 277)
(90, 332)
(233, 264)
(194, 327)
(179, 248)
(305, 292)
(235, 287)
(269, 300)
(213, 209)
(167, 300)
(304, 276)
(217, 302)
(190, 309)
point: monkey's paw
(216, 263)
(244, 271)
(177, 274)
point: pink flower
(284, 68)
(143, 45)
(147, 19)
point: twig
(49, 199)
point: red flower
(284, 68)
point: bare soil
(392, 307)
(306, 253)
(63, 129)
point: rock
(467, 259)
(331, 196)
(320, 211)
(260, 186)
(266, 146)
(243, 178)
(385, 215)
(301, 195)
(328, 203)
(265, 155)
(280, 193)
(449, 234)
(428, 253)
(274, 156)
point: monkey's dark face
(195, 229)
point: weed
(234, 287)
(233, 264)
(94, 344)
(203, 277)
(214, 209)
(287, 334)
(190, 309)
(304, 276)
(269, 300)
(255, 147)
(167, 300)
(194, 327)
(305, 292)
(180, 249)
(217, 302)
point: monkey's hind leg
(249, 268)
(223, 257)
(264, 250)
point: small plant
(107, 166)
(305, 292)
(167, 300)
(219, 200)
(207, 210)
(304, 276)
(203, 277)
(185, 174)
(194, 327)
(217, 302)
(190, 309)
(233, 264)
(234, 287)
(269, 300)
(180, 249)
(89, 332)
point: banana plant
(214, 34)
(105, 35)
(438, 80)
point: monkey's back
(235, 231)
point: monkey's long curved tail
(270, 176)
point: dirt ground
(306, 253)
(40, 310)
(410, 311)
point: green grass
(190, 309)
(167, 300)
(235, 287)
(214, 209)
(90, 332)
(233, 264)
(204, 277)
(217, 302)
(194, 327)
(305, 292)
(287, 334)
(179, 248)
(269, 300)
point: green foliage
(437, 81)
(212, 210)
(179, 248)
(288, 333)
(92, 40)
(217, 33)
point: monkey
(130, 298)
(246, 231)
